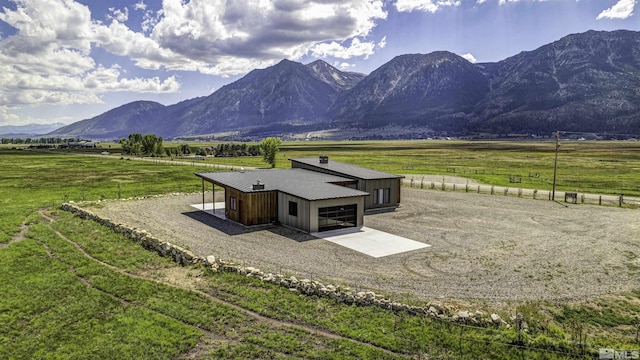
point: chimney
(324, 159)
(258, 186)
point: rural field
(73, 289)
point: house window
(232, 203)
(293, 208)
(381, 196)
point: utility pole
(555, 166)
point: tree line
(42, 140)
(151, 145)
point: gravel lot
(493, 248)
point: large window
(233, 203)
(381, 196)
(293, 208)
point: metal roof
(347, 169)
(306, 184)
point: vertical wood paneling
(253, 208)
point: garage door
(336, 217)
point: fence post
(478, 189)
(600, 200)
(520, 192)
(621, 199)
(454, 187)
(492, 189)
(535, 192)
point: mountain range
(588, 82)
(28, 130)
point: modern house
(304, 198)
(384, 188)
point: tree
(132, 145)
(148, 144)
(152, 144)
(270, 147)
(184, 149)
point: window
(293, 208)
(381, 196)
(232, 203)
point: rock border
(308, 287)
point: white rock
(463, 314)
(496, 319)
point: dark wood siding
(252, 208)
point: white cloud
(149, 21)
(232, 66)
(502, 2)
(470, 58)
(333, 49)
(40, 23)
(48, 60)
(382, 43)
(621, 10)
(118, 15)
(424, 5)
(343, 65)
(260, 29)
(108, 79)
(140, 6)
(8, 117)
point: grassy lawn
(72, 289)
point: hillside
(588, 82)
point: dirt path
(189, 283)
(24, 228)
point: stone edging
(305, 286)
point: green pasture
(71, 289)
(603, 167)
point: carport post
(203, 194)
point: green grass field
(609, 167)
(73, 290)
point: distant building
(315, 195)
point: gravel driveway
(493, 248)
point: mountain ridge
(582, 82)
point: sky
(65, 60)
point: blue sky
(65, 60)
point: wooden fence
(560, 196)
